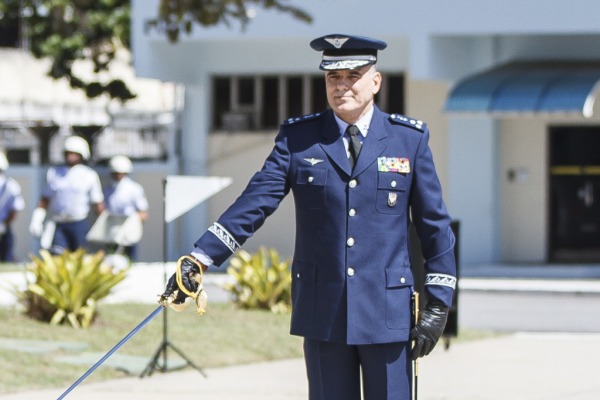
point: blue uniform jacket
(352, 280)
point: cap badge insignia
(313, 161)
(336, 42)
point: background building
(507, 89)
(521, 179)
(509, 175)
(37, 113)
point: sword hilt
(199, 295)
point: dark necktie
(355, 144)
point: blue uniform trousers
(6, 245)
(69, 236)
(334, 370)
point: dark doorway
(574, 194)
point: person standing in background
(125, 197)
(11, 202)
(60, 218)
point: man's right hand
(173, 292)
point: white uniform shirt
(71, 191)
(125, 197)
(10, 197)
(362, 125)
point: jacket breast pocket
(398, 292)
(310, 188)
(391, 193)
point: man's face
(350, 92)
(73, 158)
(117, 176)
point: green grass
(223, 336)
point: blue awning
(530, 87)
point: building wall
(473, 196)
(395, 17)
(425, 101)
(523, 178)
(472, 153)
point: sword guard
(199, 296)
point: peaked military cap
(346, 51)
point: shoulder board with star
(407, 121)
(304, 118)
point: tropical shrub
(65, 288)
(261, 280)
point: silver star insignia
(313, 161)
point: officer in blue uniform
(358, 177)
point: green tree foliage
(69, 30)
(180, 16)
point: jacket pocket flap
(399, 277)
(311, 176)
(391, 181)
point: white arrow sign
(182, 193)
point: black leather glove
(188, 270)
(429, 329)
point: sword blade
(111, 351)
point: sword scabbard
(416, 361)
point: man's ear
(376, 82)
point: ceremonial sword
(199, 297)
(115, 348)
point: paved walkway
(517, 366)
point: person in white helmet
(71, 190)
(11, 202)
(124, 196)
